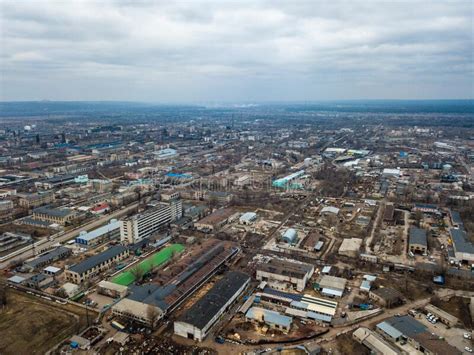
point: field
(126, 278)
(30, 325)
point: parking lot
(454, 336)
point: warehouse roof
(286, 268)
(406, 325)
(460, 242)
(204, 310)
(418, 236)
(55, 212)
(269, 317)
(113, 225)
(95, 260)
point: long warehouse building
(204, 314)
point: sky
(221, 51)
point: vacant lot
(30, 325)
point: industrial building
(99, 235)
(9, 240)
(215, 220)
(386, 296)
(93, 265)
(111, 289)
(374, 342)
(417, 241)
(290, 236)
(143, 225)
(60, 216)
(46, 259)
(248, 218)
(350, 247)
(284, 274)
(331, 286)
(416, 334)
(287, 181)
(273, 319)
(163, 299)
(463, 248)
(444, 317)
(205, 313)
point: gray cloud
(246, 51)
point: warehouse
(47, 258)
(417, 241)
(111, 289)
(350, 247)
(248, 218)
(290, 236)
(463, 248)
(95, 264)
(214, 220)
(283, 274)
(204, 314)
(99, 235)
(331, 286)
(443, 316)
(60, 216)
(386, 296)
(373, 341)
(273, 319)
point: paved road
(63, 237)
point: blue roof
(388, 329)
(460, 242)
(319, 316)
(292, 296)
(270, 317)
(406, 325)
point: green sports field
(126, 278)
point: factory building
(374, 342)
(143, 225)
(99, 235)
(96, 264)
(386, 296)
(290, 236)
(463, 248)
(331, 286)
(248, 218)
(60, 216)
(215, 220)
(273, 319)
(417, 242)
(205, 313)
(46, 258)
(416, 334)
(283, 274)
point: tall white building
(143, 225)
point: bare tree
(153, 314)
(137, 273)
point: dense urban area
(335, 228)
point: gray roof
(460, 242)
(406, 325)
(204, 310)
(456, 217)
(56, 212)
(418, 236)
(49, 257)
(95, 260)
(388, 329)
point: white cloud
(262, 50)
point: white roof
(330, 209)
(16, 279)
(331, 292)
(326, 270)
(52, 269)
(248, 216)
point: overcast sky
(200, 51)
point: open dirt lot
(30, 325)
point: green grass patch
(126, 278)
